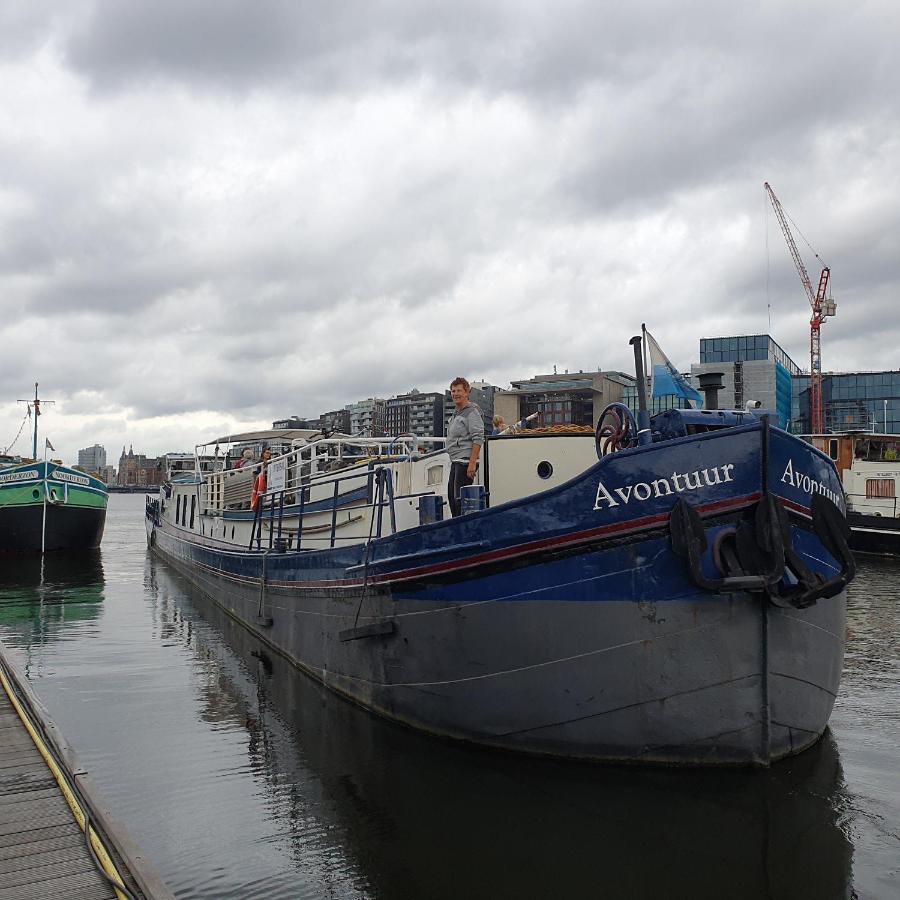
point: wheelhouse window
(833, 448)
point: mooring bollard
(471, 498)
(431, 509)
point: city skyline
(801, 384)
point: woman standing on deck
(465, 435)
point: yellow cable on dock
(108, 865)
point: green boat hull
(57, 510)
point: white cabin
(340, 490)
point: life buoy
(259, 487)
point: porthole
(35, 493)
(544, 469)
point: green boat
(46, 506)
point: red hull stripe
(517, 551)
(565, 540)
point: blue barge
(677, 601)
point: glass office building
(853, 401)
(747, 347)
(92, 459)
(754, 367)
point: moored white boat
(869, 466)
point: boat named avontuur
(661, 594)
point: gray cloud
(229, 45)
(214, 215)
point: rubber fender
(685, 526)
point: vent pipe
(711, 383)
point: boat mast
(37, 412)
(36, 405)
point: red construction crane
(821, 309)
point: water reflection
(41, 597)
(873, 617)
(396, 814)
(867, 717)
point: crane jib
(821, 309)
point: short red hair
(462, 381)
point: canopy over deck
(268, 434)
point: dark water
(240, 778)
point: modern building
(367, 417)
(864, 401)
(754, 367)
(338, 420)
(296, 422)
(575, 398)
(92, 459)
(415, 413)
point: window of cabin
(879, 487)
(833, 449)
(193, 504)
(178, 510)
(435, 475)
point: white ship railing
(323, 471)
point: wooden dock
(46, 800)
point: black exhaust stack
(711, 383)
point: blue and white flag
(665, 379)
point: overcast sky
(214, 214)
